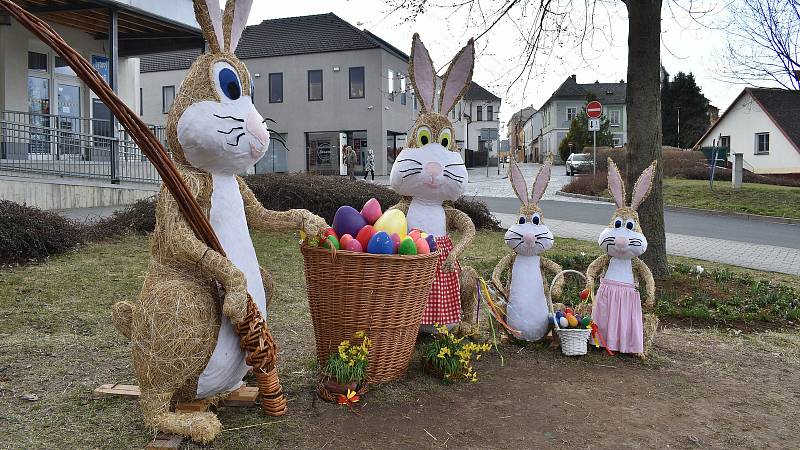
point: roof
(478, 92)
(318, 33)
(607, 93)
(523, 115)
(782, 106)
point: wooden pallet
(244, 396)
(164, 442)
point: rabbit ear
(209, 17)
(457, 78)
(542, 180)
(518, 182)
(643, 185)
(234, 21)
(423, 77)
(615, 184)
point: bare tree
(546, 24)
(763, 43)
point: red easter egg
(422, 246)
(353, 245)
(396, 240)
(415, 234)
(329, 232)
(364, 235)
(344, 239)
(371, 211)
(568, 311)
(584, 294)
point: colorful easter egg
(423, 235)
(348, 220)
(371, 211)
(551, 318)
(344, 240)
(559, 314)
(585, 321)
(568, 311)
(431, 243)
(563, 323)
(393, 221)
(381, 243)
(584, 294)
(414, 234)
(422, 246)
(329, 232)
(571, 320)
(407, 246)
(364, 235)
(396, 240)
(331, 243)
(354, 246)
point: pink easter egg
(371, 211)
(354, 246)
(396, 241)
(422, 246)
(345, 239)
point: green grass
(761, 199)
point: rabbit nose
(433, 169)
(621, 242)
(255, 126)
(529, 239)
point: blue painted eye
(521, 220)
(535, 219)
(629, 225)
(617, 223)
(229, 83)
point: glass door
(69, 122)
(39, 109)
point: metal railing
(73, 147)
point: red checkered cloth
(444, 301)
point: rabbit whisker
(610, 238)
(454, 164)
(413, 173)
(268, 119)
(237, 140)
(513, 238)
(229, 132)
(634, 244)
(451, 173)
(518, 234)
(544, 237)
(409, 159)
(229, 117)
(408, 170)
(451, 178)
(518, 244)
(537, 241)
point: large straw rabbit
(430, 174)
(184, 344)
(527, 309)
(617, 308)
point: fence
(72, 146)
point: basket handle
(550, 292)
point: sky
(690, 43)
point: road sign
(489, 134)
(594, 124)
(594, 109)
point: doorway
(69, 120)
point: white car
(579, 162)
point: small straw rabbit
(617, 308)
(181, 328)
(527, 310)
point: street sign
(594, 109)
(594, 124)
(489, 134)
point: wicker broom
(254, 336)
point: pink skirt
(618, 315)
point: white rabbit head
(623, 238)
(529, 236)
(431, 167)
(213, 124)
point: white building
(762, 124)
(476, 114)
(59, 147)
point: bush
(588, 185)
(30, 234)
(323, 195)
(139, 218)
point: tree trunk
(644, 123)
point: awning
(140, 31)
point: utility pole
(679, 127)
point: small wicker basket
(574, 341)
(383, 295)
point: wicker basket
(383, 295)
(574, 341)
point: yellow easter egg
(392, 221)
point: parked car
(579, 163)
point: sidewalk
(753, 256)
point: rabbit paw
(449, 264)
(235, 305)
(313, 225)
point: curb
(710, 212)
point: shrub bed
(29, 234)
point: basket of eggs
(370, 273)
(573, 330)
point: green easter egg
(585, 321)
(331, 242)
(407, 246)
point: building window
(314, 85)
(62, 68)
(762, 143)
(479, 113)
(141, 102)
(725, 141)
(402, 90)
(489, 112)
(276, 87)
(616, 140)
(37, 61)
(356, 82)
(571, 113)
(614, 117)
(167, 97)
(390, 84)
